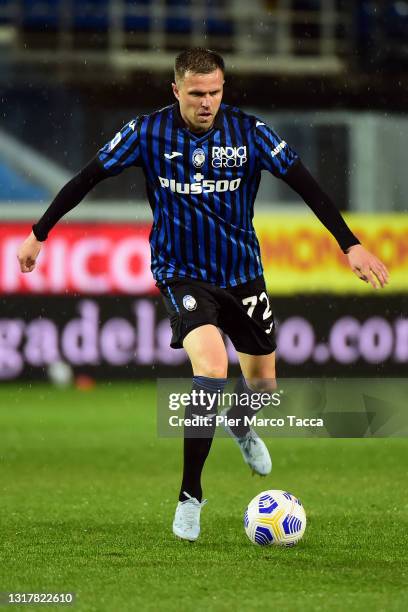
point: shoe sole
(255, 473)
(178, 537)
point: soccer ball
(275, 517)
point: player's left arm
(276, 156)
(363, 263)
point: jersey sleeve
(123, 150)
(274, 153)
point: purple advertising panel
(128, 336)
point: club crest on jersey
(189, 302)
(198, 158)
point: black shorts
(242, 312)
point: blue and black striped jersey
(201, 189)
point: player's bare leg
(259, 371)
(206, 350)
(258, 375)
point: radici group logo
(229, 157)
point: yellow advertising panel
(300, 256)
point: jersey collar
(179, 122)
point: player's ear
(175, 90)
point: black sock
(198, 440)
(240, 409)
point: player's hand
(28, 253)
(367, 266)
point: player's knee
(260, 374)
(262, 385)
(212, 365)
(214, 370)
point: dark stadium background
(88, 487)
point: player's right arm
(119, 153)
(70, 196)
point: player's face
(199, 96)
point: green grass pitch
(88, 492)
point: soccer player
(202, 161)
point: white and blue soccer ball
(275, 518)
